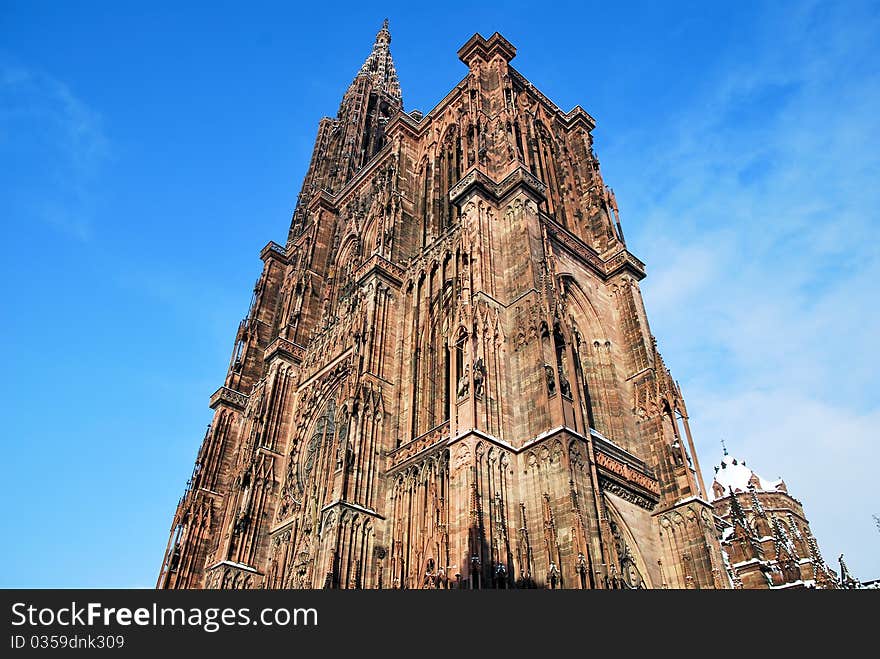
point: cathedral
(446, 377)
(766, 541)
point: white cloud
(758, 221)
(825, 453)
(58, 148)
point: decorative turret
(379, 67)
(345, 144)
(732, 474)
(768, 541)
(847, 580)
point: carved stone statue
(551, 379)
(564, 385)
(500, 575)
(553, 575)
(463, 384)
(430, 580)
(479, 377)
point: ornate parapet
(519, 178)
(578, 116)
(623, 474)
(627, 493)
(228, 575)
(229, 397)
(287, 350)
(624, 260)
(576, 246)
(417, 448)
(378, 264)
(274, 251)
(322, 199)
(622, 470)
(485, 49)
(606, 268)
(348, 505)
(410, 124)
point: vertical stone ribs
(636, 349)
(432, 385)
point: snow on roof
(733, 474)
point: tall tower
(446, 377)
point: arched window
(322, 435)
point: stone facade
(446, 377)
(766, 540)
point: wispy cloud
(56, 149)
(759, 223)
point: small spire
(723, 447)
(380, 67)
(384, 33)
(736, 511)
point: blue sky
(149, 151)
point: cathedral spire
(379, 66)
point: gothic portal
(446, 377)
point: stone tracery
(446, 377)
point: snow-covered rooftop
(733, 474)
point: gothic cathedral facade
(446, 377)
